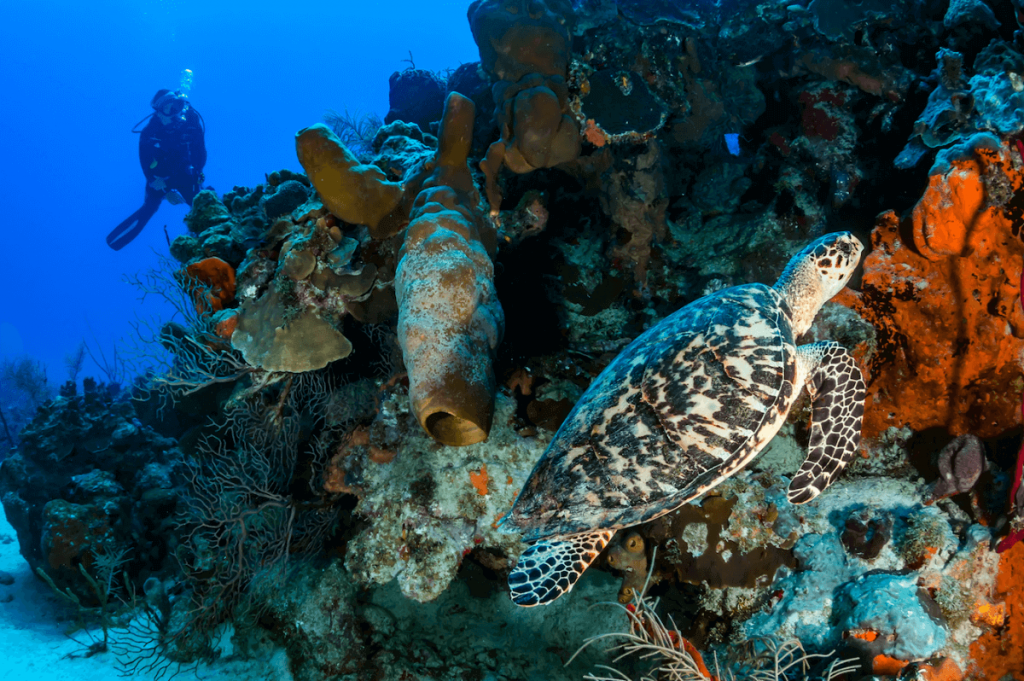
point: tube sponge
(449, 321)
(536, 124)
(520, 37)
(525, 46)
(356, 193)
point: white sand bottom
(34, 646)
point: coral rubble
(429, 506)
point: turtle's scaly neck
(800, 286)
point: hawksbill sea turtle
(686, 405)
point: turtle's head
(816, 274)
(835, 257)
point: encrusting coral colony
(374, 355)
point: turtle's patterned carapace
(686, 405)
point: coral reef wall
(372, 355)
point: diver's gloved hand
(158, 183)
(174, 198)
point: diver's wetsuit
(176, 153)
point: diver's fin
(124, 233)
(549, 569)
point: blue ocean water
(78, 76)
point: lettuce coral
(304, 343)
(292, 315)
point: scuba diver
(172, 152)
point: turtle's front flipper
(836, 386)
(549, 569)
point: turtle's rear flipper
(549, 569)
(835, 383)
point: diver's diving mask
(171, 107)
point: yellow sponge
(356, 193)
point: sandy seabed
(34, 645)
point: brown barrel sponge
(449, 321)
